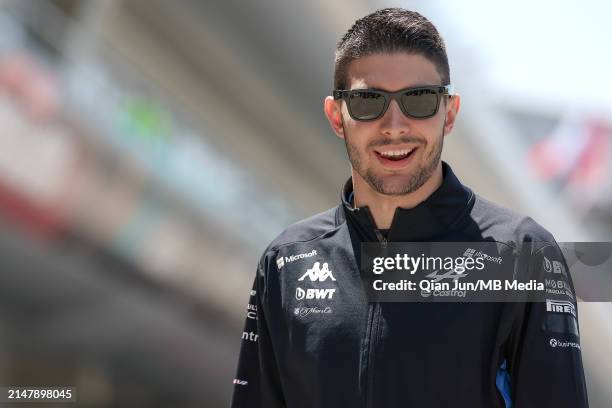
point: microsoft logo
(469, 253)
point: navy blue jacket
(331, 347)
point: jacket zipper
(370, 354)
(371, 331)
(381, 238)
(366, 355)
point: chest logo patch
(318, 273)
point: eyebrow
(385, 90)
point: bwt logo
(314, 293)
(316, 273)
(554, 267)
(547, 265)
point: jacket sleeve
(257, 382)
(545, 364)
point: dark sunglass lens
(420, 103)
(365, 105)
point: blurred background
(151, 149)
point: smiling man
(313, 338)
(395, 161)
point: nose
(394, 122)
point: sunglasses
(370, 104)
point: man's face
(369, 144)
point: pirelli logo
(560, 306)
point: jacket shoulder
(307, 229)
(506, 225)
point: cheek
(431, 131)
(360, 135)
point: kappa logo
(316, 273)
(437, 277)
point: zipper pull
(381, 238)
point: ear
(334, 115)
(452, 109)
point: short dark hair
(390, 30)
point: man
(312, 338)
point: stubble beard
(410, 182)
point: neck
(382, 206)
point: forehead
(392, 72)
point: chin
(399, 189)
(398, 184)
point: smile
(397, 158)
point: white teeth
(396, 152)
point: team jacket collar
(431, 219)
